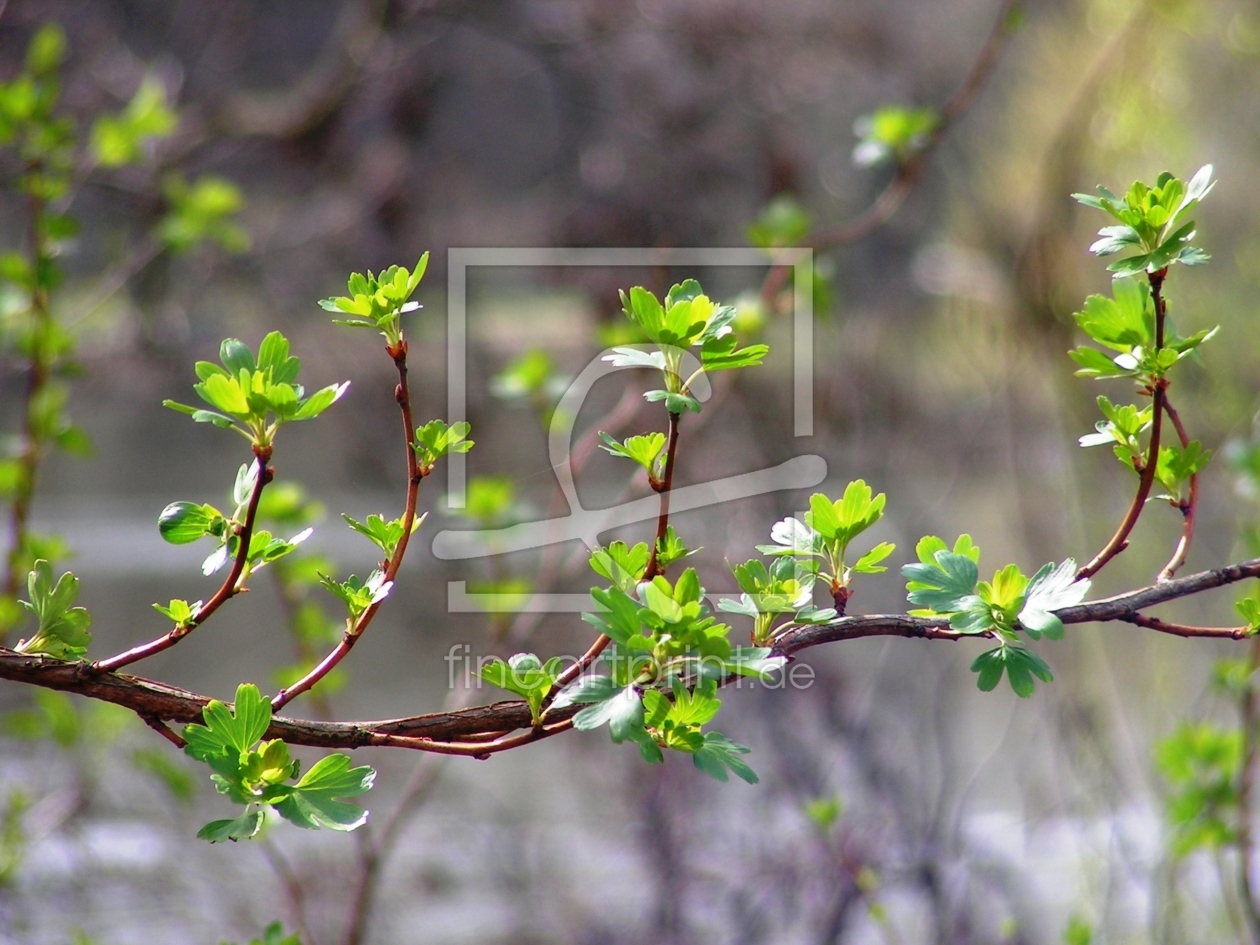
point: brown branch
(164, 730)
(1182, 630)
(226, 591)
(1120, 540)
(402, 394)
(1188, 509)
(441, 731)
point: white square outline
(460, 259)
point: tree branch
(1188, 510)
(1120, 540)
(402, 394)
(454, 732)
(226, 591)
(909, 171)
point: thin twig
(402, 394)
(910, 170)
(1188, 509)
(662, 525)
(376, 851)
(293, 888)
(164, 730)
(1183, 630)
(1120, 540)
(227, 590)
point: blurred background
(897, 804)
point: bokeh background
(896, 804)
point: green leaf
(184, 522)
(869, 562)
(621, 711)
(314, 800)
(1123, 322)
(179, 611)
(1050, 589)
(622, 565)
(945, 585)
(892, 133)
(587, 690)
(674, 403)
(722, 354)
(782, 222)
(230, 730)
(242, 828)
(644, 450)
(671, 549)
(1020, 664)
(720, 754)
(435, 439)
(63, 629)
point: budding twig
(1120, 540)
(402, 394)
(227, 590)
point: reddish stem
(1120, 540)
(1182, 630)
(667, 484)
(474, 749)
(402, 394)
(1188, 508)
(662, 524)
(226, 591)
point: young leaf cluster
(946, 583)
(184, 522)
(687, 318)
(62, 631)
(1152, 222)
(379, 300)
(1125, 323)
(785, 587)
(435, 439)
(1201, 765)
(385, 535)
(828, 530)
(526, 675)
(667, 655)
(260, 774)
(892, 133)
(255, 396)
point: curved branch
(909, 171)
(1120, 540)
(226, 591)
(1188, 510)
(402, 394)
(458, 731)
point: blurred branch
(303, 105)
(402, 394)
(910, 170)
(1246, 791)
